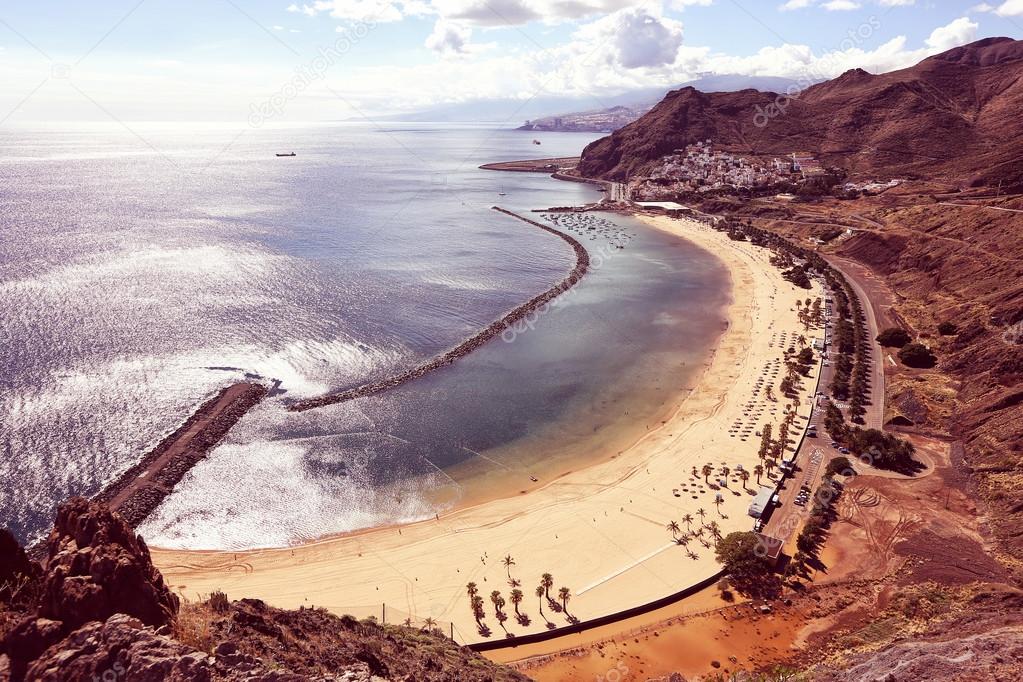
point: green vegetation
(948, 329)
(894, 337)
(750, 572)
(917, 355)
(839, 466)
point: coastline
(620, 505)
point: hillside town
(701, 168)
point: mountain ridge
(941, 118)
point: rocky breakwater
(140, 489)
(496, 328)
(96, 608)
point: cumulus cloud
(959, 32)
(379, 11)
(634, 38)
(1010, 8)
(449, 38)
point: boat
(536, 141)
(287, 154)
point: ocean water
(144, 269)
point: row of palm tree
(542, 592)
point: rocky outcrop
(97, 609)
(97, 567)
(16, 569)
(123, 648)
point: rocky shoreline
(582, 264)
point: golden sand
(601, 531)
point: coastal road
(863, 280)
(813, 454)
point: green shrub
(894, 337)
(917, 355)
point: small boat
(502, 194)
(533, 479)
(536, 141)
(287, 154)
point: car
(844, 451)
(800, 502)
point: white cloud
(449, 38)
(1010, 8)
(896, 3)
(634, 38)
(795, 4)
(959, 32)
(840, 5)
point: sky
(266, 61)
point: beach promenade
(600, 531)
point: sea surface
(143, 268)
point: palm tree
(516, 599)
(714, 529)
(508, 563)
(769, 464)
(744, 475)
(498, 602)
(472, 589)
(477, 608)
(429, 623)
(673, 528)
(707, 471)
(688, 520)
(547, 582)
(539, 592)
(564, 595)
(702, 513)
(759, 471)
(724, 474)
(718, 500)
(407, 622)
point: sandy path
(600, 531)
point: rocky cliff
(97, 608)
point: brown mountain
(952, 116)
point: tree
(948, 328)
(688, 520)
(894, 337)
(547, 582)
(702, 513)
(516, 599)
(429, 623)
(673, 528)
(718, 501)
(540, 592)
(564, 595)
(744, 475)
(508, 563)
(749, 571)
(707, 471)
(759, 471)
(724, 475)
(838, 465)
(917, 355)
(765, 442)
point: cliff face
(97, 608)
(950, 116)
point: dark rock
(97, 567)
(16, 569)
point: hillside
(97, 608)
(948, 117)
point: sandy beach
(601, 531)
